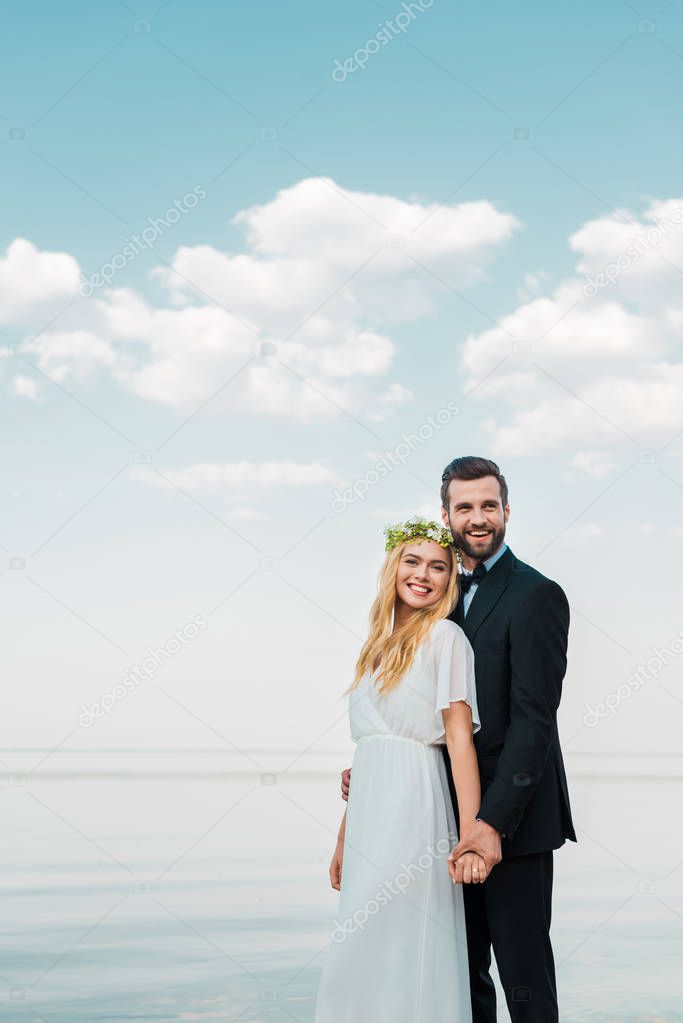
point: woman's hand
(469, 868)
(336, 865)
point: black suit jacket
(518, 624)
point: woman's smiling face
(422, 575)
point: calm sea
(183, 885)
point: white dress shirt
(488, 564)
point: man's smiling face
(476, 517)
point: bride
(398, 950)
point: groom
(517, 621)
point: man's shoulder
(527, 581)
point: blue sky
(518, 150)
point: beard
(482, 550)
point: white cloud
(24, 387)
(31, 281)
(605, 369)
(532, 284)
(73, 353)
(318, 220)
(327, 272)
(594, 463)
(394, 396)
(638, 247)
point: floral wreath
(417, 528)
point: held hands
(469, 869)
(346, 783)
(480, 839)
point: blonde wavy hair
(397, 649)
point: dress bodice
(442, 672)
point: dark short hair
(469, 467)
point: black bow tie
(466, 581)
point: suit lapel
(487, 594)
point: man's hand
(346, 783)
(480, 838)
(336, 866)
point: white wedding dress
(398, 952)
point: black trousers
(511, 913)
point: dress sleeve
(455, 673)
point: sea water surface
(185, 885)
